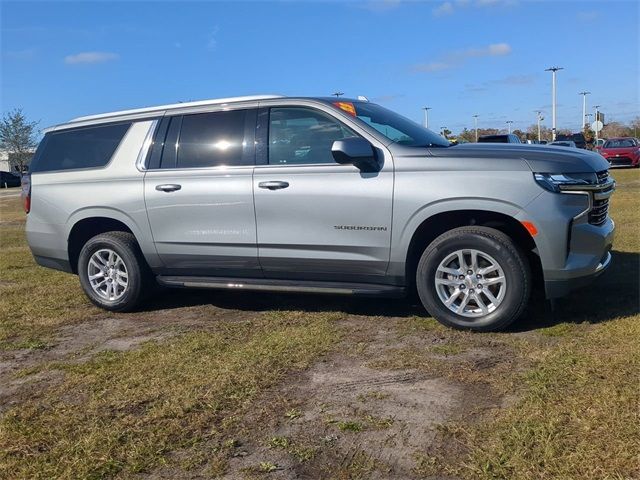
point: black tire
(139, 281)
(502, 249)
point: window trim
(48, 136)
(262, 137)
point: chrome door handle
(273, 185)
(168, 187)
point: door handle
(273, 185)
(168, 187)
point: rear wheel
(474, 278)
(113, 272)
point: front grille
(600, 208)
(599, 211)
(620, 161)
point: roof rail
(214, 101)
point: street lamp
(426, 116)
(539, 118)
(553, 71)
(475, 119)
(596, 107)
(338, 94)
(509, 122)
(584, 106)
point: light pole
(553, 71)
(596, 121)
(539, 118)
(426, 116)
(475, 119)
(584, 106)
(509, 122)
(338, 94)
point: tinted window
(212, 139)
(624, 143)
(303, 136)
(89, 147)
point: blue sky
(460, 57)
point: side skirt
(293, 286)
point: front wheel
(474, 278)
(113, 272)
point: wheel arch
(435, 225)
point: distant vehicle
(564, 143)
(577, 138)
(504, 138)
(600, 142)
(8, 179)
(622, 152)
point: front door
(198, 192)
(316, 219)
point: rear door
(316, 219)
(198, 193)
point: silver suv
(314, 195)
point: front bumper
(561, 288)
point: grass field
(210, 384)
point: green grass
(123, 412)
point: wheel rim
(470, 283)
(107, 274)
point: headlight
(554, 182)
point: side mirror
(355, 151)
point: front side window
(299, 136)
(212, 139)
(89, 147)
(395, 127)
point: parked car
(313, 195)
(507, 138)
(577, 138)
(8, 180)
(597, 144)
(622, 152)
(564, 143)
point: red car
(622, 152)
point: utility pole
(584, 107)
(509, 122)
(338, 94)
(596, 121)
(426, 116)
(475, 119)
(553, 71)
(539, 118)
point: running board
(268, 285)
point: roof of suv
(139, 113)
(200, 103)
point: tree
(18, 137)
(616, 129)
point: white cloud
(90, 57)
(445, 9)
(212, 41)
(456, 58)
(450, 6)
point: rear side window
(214, 139)
(90, 147)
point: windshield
(395, 127)
(619, 144)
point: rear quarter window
(89, 147)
